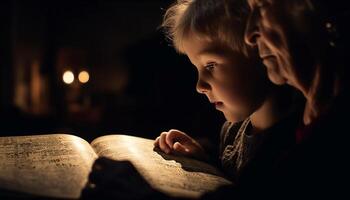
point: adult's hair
(323, 26)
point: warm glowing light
(84, 77)
(68, 77)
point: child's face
(235, 84)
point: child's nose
(202, 86)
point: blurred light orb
(83, 76)
(68, 77)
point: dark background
(138, 84)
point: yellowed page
(47, 165)
(174, 175)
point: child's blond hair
(220, 21)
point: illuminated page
(46, 165)
(174, 175)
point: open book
(58, 165)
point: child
(259, 124)
(211, 34)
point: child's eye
(210, 66)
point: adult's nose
(252, 33)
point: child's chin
(233, 118)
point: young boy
(211, 34)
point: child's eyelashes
(210, 66)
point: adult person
(303, 43)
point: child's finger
(175, 136)
(162, 144)
(181, 148)
(156, 142)
(171, 137)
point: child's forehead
(212, 48)
(208, 43)
(211, 44)
(216, 47)
(203, 44)
(220, 52)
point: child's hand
(175, 141)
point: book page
(174, 175)
(46, 165)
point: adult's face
(280, 30)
